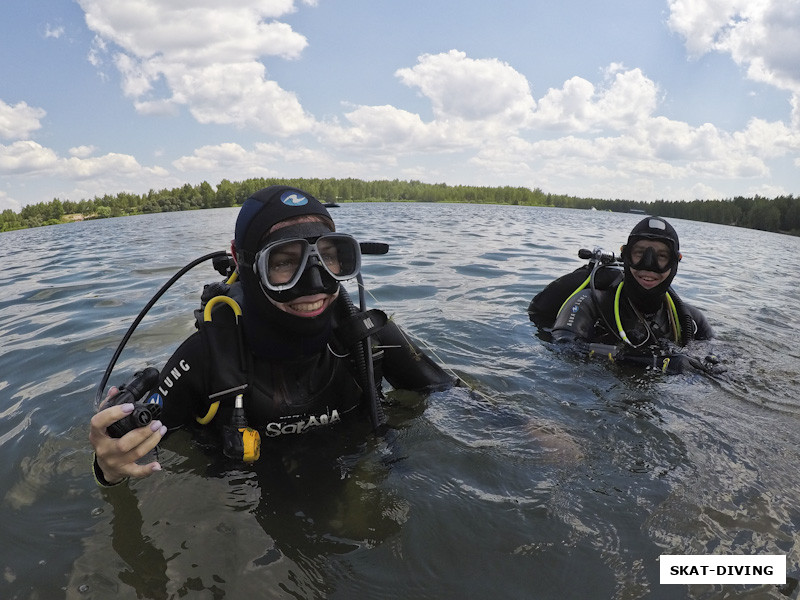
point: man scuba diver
(280, 351)
(633, 318)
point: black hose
(684, 318)
(144, 311)
(363, 359)
(597, 266)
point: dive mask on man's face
(295, 267)
(648, 258)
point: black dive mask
(650, 260)
(305, 259)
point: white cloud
(600, 137)
(31, 159)
(637, 145)
(760, 35)
(52, 31)
(239, 94)
(471, 90)
(232, 161)
(768, 140)
(96, 52)
(207, 55)
(19, 121)
(82, 151)
(702, 22)
(627, 99)
(472, 101)
(214, 158)
(386, 129)
(164, 107)
(82, 168)
(26, 158)
(509, 157)
(480, 103)
(7, 203)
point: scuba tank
(602, 272)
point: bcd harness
(359, 325)
(546, 305)
(230, 382)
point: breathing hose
(102, 386)
(363, 359)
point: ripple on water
(552, 466)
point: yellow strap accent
(212, 412)
(251, 444)
(234, 276)
(622, 333)
(237, 310)
(583, 285)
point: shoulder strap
(357, 327)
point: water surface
(555, 478)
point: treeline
(781, 214)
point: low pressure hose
(104, 380)
(363, 360)
(685, 320)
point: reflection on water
(553, 478)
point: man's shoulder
(593, 297)
(703, 331)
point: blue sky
(644, 100)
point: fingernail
(163, 431)
(156, 467)
(127, 407)
(155, 425)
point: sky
(635, 99)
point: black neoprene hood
(271, 205)
(657, 229)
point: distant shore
(777, 215)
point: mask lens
(648, 258)
(280, 265)
(284, 261)
(339, 255)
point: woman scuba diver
(280, 347)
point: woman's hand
(116, 457)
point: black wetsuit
(589, 317)
(284, 397)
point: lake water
(555, 478)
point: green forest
(781, 214)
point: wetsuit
(582, 318)
(588, 323)
(284, 396)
